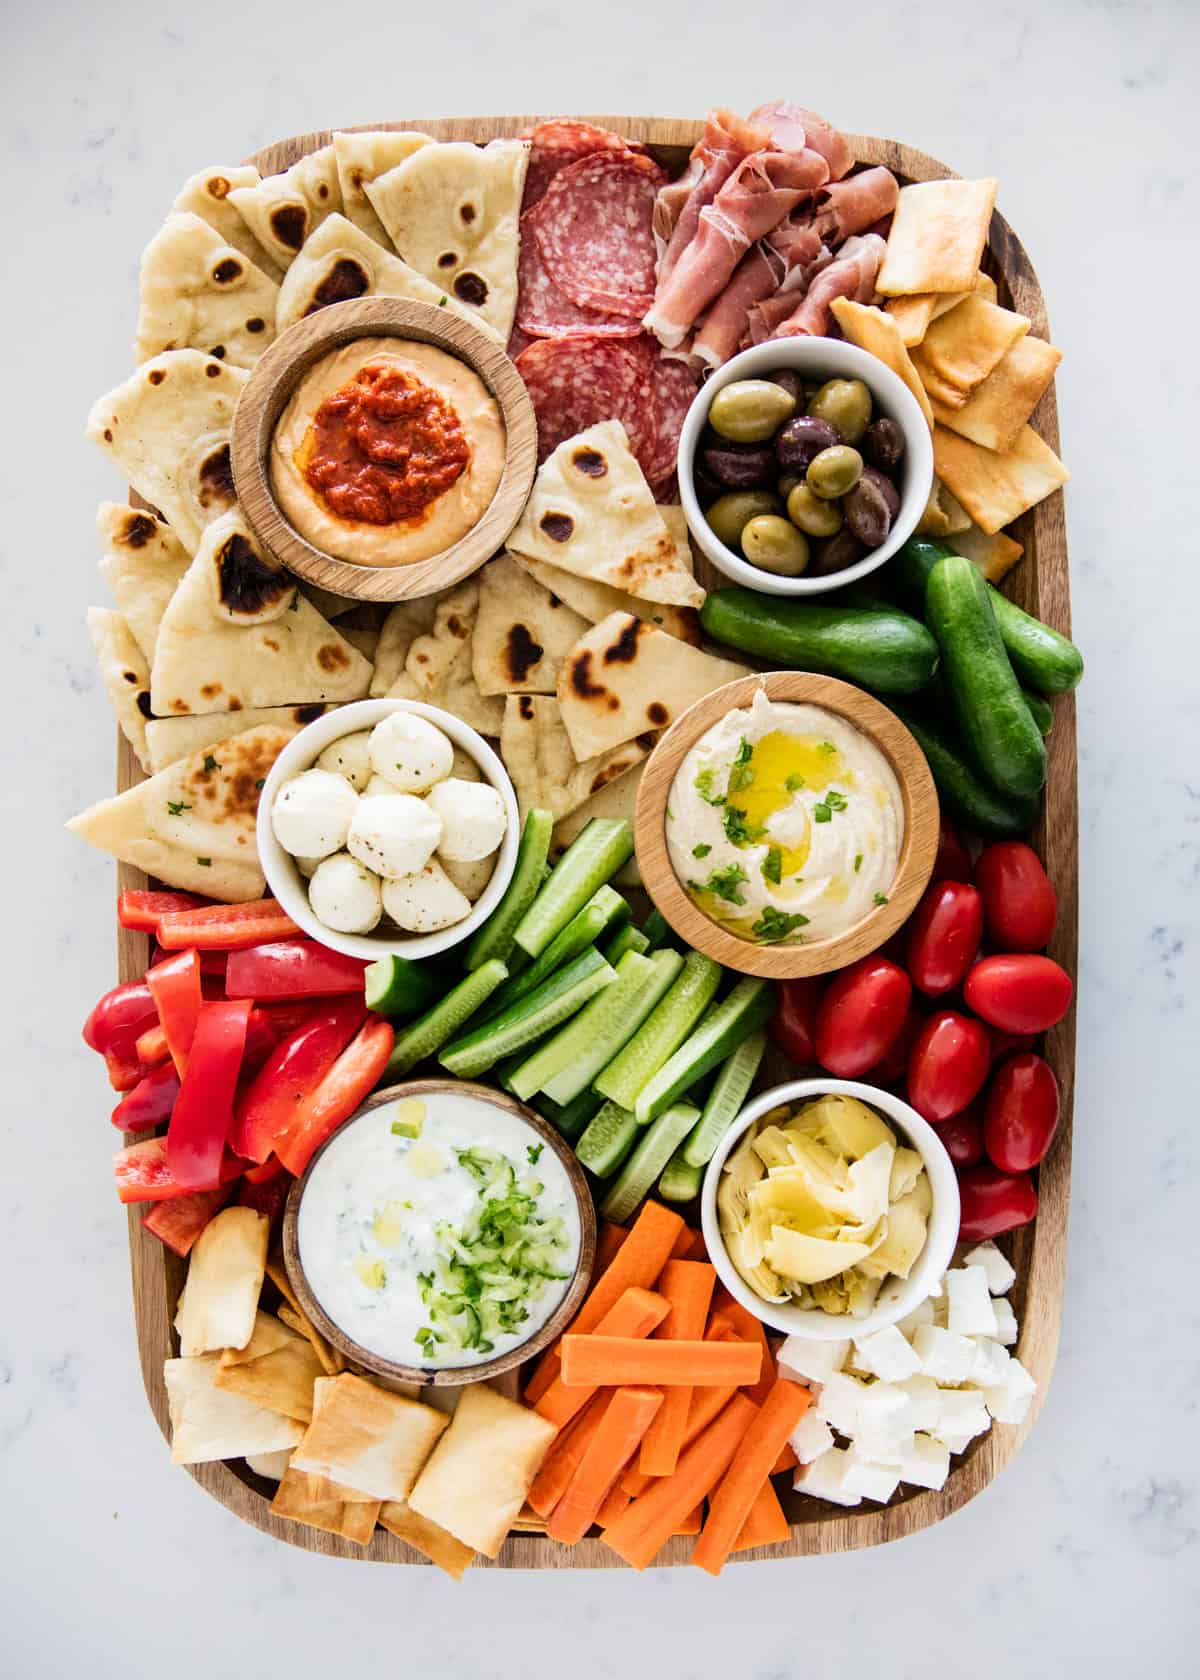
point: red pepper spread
(384, 447)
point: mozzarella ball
(425, 901)
(380, 788)
(345, 895)
(409, 752)
(469, 878)
(473, 820)
(394, 836)
(312, 813)
(349, 757)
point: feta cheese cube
(961, 1416)
(1006, 1322)
(991, 1362)
(884, 1420)
(1000, 1274)
(925, 1462)
(886, 1355)
(838, 1402)
(868, 1478)
(955, 1444)
(811, 1361)
(825, 1478)
(924, 1409)
(810, 1438)
(941, 1308)
(944, 1355)
(971, 1312)
(922, 1314)
(1009, 1401)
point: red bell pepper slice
(119, 1019)
(204, 1107)
(175, 988)
(151, 1100)
(266, 1196)
(264, 1171)
(355, 1073)
(152, 1046)
(226, 927)
(291, 1073)
(179, 1221)
(295, 968)
(141, 910)
(124, 1072)
(143, 1174)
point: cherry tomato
(1018, 994)
(948, 1065)
(944, 936)
(1020, 905)
(1005, 1043)
(793, 1025)
(994, 1201)
(963, 1136)
(953, 861)
(895, 1059)
(861, 1015)
(1021, 1113)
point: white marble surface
(1082, 1559)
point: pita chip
(451, 211)
(591, 512)
(522, 633)
(219, 1303)
(166, 430)
(192, 825)
(206, 194)
(404, 622)
(238, 633)
(198, 292)
(364, 157)
(282, 1381)
(438, 668)
(142, 563)
(283, 210)
(545, 772)
(913, 314)
(270, 1465)
(998, 408)
(937, 237)
(941, 517)
(305, 1499)
(208, 1423)
(125, 675)
(625, 677)
(170, 739)
(293, 1315)
(993, 488)
(995, 555)
(339, 261)
(437, 1544)
(963, 346)
(879, 334)
(366, 1437)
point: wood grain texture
(917, 852)
(1040, 585)
(269, 389)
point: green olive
(834, 471)
(750, 410)
(846, 405)
(729, 514)
(788, 483)
(775, 544)
(814, 516)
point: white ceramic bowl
(285, 881)
(813, 359)
(898, 1296)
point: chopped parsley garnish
(795, 782)
(443, 301)
(704, 787)
(737, 830)
(740, 773)
(833, 801)
(772, 865)
(176, 807)
(701, 851)
(260, 783)
(210, 763)
(774, 925)
(881, 898)
(533, 1152)
(727, 883)
(205, 863)
(828, 747)
(857, 862)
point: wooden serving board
(1039, 584)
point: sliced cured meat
(674, 390)
(554, 145)
(726, 140)
(544, 311)
(852, 274)
(576, 382)
(792, 248)
(792, 128)
(855, 204)
(593, 229)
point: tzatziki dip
(785, 823)
(438, 1230)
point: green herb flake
(176, 807)
(881, 898)
(772, 865)
(701, 851)
(210, 763)
(858, 857)
(774, 925)
(260, 784)
(205, 863)
(533, 1153)
(726, 883)
(828, 747)
(704, 787)
(737, 830)
(833, 801)
(740, 773)
(443, 301)
(795, 782)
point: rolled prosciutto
(851, 275)
(761, 272)
(791, 127)
(855, 204)
(726, 140)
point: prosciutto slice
(792, 128)
(726, 140)
(852, 206)
(851, 275)
(762, 271)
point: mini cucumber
(628, 938)
(572, 1117)
(592, 858)
(599, 913)
(601, 1022)
(747, 1008)
(651, 1153)
(608, 1139)
(1040, 711)
(591, 1050)
(724, 1102)
(680, 1181)
(661, 1034)
(438, 1025)
(963, 791)
(395, 986)
(495, 937)
(881, 648)
(554, 1001)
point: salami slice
(556, 144)
(674, 389)
(575, 382)
(594, 231)
(543, 311)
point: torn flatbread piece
(207, 1423)
(364, 157)
(937, 237)
(995, 555)
(480, 1471)
(594, 601)
(277, 1369)
(438, 667)
(166, 430)
(192, 826)
(963, 346)
(142, 564)
(304, 1499)
(206, 194)
(404, 622)
(942, 516)
(879, 334)
(592, 512)
(451, 210)
(366, 1437)
(522, 633)
(616, 801)
(170, 739)
(339, 262)
(998, 408)
(125, 675)
(993, 488)
(625, 677)
(545, 772)
(437, 1544)
(198, 292)
(283, 210)
(224, 1280)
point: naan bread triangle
(197, 292)
(522, 633)
(206, 194)
(170, 739)
(362, 158)
(142, 563)
(340, 261)
(438, 668)
(125, 675)
(545, 772)
(283, 210)
(405, 621)
(595, 601)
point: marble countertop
(1082, 1558)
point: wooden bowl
(390, 1370)
(269, 389)
(917, 851)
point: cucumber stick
(427, 1034)
(627, 938)
(661, 1034)
(395, 986)
(572, 1117)
(602, 1021)
(591, 859)
(651, 1153)
(593, 1052)
(608, 1140)
(656, 929)
(554, 1001)
(680, 1181)
(602, 910)
(729, 1091)
(724, 1027)
(495, 937)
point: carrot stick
(787, 1460)
(594, 1360)
(681, 1247)
(609, 1239)
(688, 1286)
(699, 1250)
(748, 1472)
(766, 1525)
(635, 1315)
(627, 1416)
(691, 1523)
(566, 1450)
(646, 1525)
(706, 1404)
(750, 1329)
(614, 1503)
(639, 1260)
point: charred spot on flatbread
(256, 324)
(212, 370)
(447, 259)
(309, 714)
(289, 224)
(157, 375)
(215, 488)
(525, 706)
(346, 279)
(624, 650)
(559, 527)
(210, 690)
(246, 582)
(658, 714)
(521, 653)
(579, 677)
(471, 288)
(227, 271)
(590, 462)
(217, 186)
(332, 657)
(245, 761)
(457, 628)
(143, 703)
(138, 529)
